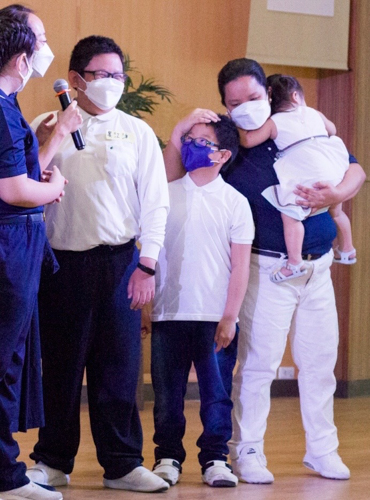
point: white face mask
(251, 115)
(104, 93)
(41, 61)
(25, 78)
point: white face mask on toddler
(251, 115)
(104, 92)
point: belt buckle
(309, 256)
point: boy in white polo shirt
(201, 279)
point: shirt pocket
(120, 158)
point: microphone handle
(65, 101)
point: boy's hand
(225, 333)
(146, 323)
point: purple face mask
(194, 157)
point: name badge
(112, 135)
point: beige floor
(284, 449)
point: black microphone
(62, 90)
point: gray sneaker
(168, 469)
(219, 474)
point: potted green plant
(142, 98)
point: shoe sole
(254, 482)
(322, 474)
(131, 488)
(165, 478)
(222, 483)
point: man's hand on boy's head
(225, 333)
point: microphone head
(60, 85)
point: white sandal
(298, 270)
(345, 257)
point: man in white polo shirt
(90, 309)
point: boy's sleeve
(242, 227)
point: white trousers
(305, 307)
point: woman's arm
(68, 121)
(172, 153)
(21, 191)
(324, 194)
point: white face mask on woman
(104, 92)
(41, 61)
(26, 77)
(251, 115)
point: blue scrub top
(18, 150)
(251, 173)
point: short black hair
(235, 69)
(15, 38)
(17, 11)
(92, 46)
(227, 136)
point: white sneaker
(43, 474)
(30, 491)
(219, 474)
(251, 468)
(139, 479)
(168, 469)
(330, 466)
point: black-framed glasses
(200, 142)
(98, 74)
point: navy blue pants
(21, 254)
(175, 345)
(86, 321)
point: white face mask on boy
(104, 92)
(251, 115)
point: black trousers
(86, 322)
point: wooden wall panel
(359, 320)
(359, 292)
(345, 99)
(361, 91)
(60, 25)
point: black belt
(278, 255)
(22, 219)
(100, 250)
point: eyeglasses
(98, 74)
(200, 142)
